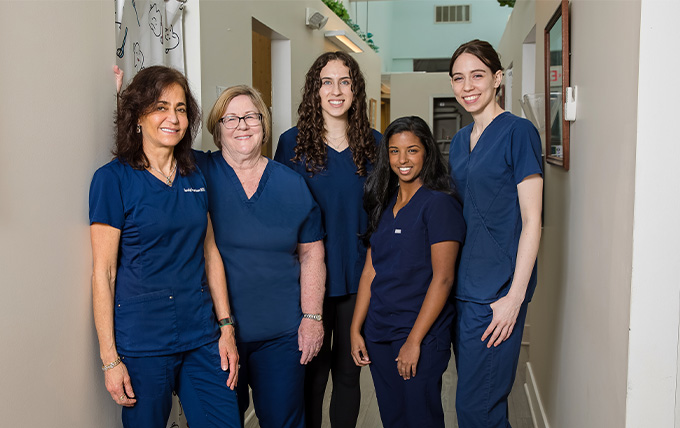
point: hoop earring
(139, 128)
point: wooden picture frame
(372, 112)
(557, 53)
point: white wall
(55, 129)
(581, 310)
(411, 94)
(655, 302)
(226, 57)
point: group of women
(219, 272)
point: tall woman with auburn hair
(333, 147)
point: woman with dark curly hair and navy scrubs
(268, 230)
(496, 165)
(415, 230)
(333, 147)
(158, 281)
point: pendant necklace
(168, 178)
(337, 142)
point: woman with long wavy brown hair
(333, 147)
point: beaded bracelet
(108, 367)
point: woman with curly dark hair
(415, 230)
(333, 147)
(158, 282)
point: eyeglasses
(232, 122)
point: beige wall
(226, 47)
(581, 310)
(55, 130)
(411, 93)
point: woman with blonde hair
(269, 233)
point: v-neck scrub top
(402, 259)
(258, 240)
(162, 303)
(339, 191)
(508, 151)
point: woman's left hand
(229, 355)
(505, 311)
(407, 360)
(310, 339)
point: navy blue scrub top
(258, 240)
(402, 259)
(508, 151)
(339, 191)
(162, 300)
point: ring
(122, 397)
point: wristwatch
(226, 321)
(315, 317)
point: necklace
(168, 178)
(337, 142)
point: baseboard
(538, 415)
(526, 334)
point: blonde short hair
(223, 101)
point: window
(459, 13)
(431, 65)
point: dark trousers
(199, 381)
(485, 375)
(334, 357)
(413, 403)
(272, 369)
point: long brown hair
(137, 100)
(310, 146)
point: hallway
(369, 417)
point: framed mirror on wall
(557, 54)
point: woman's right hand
(359, 353)
(118, 384)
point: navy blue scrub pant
(413, 403)
(272, 369)
(199, 381)
(485, 375)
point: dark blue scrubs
(508, 151)
(401, 256)
(163, 308)
(339, 191)
(257, 238)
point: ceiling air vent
(459, 13)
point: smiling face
(244, 140)
(407, 156)
(336, 90)
(166, 122)
(474, 84)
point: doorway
(271, 51)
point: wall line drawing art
(149, 32)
